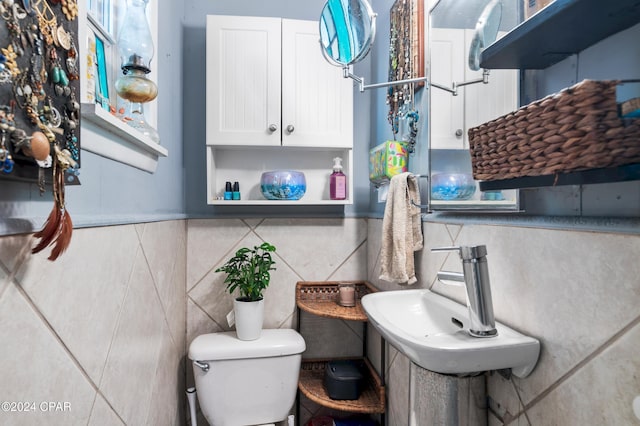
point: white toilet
(242, 382)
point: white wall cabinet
(273, 102)
(452, 116)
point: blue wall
(110, 191)
(617, 57)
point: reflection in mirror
(453, 27)
(486, 32)
(489, 17)
(347, 30)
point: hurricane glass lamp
(136, 51)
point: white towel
(401, 230)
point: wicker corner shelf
(372, 396)
(320, 298)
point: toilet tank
(248, 382)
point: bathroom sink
(431, 330)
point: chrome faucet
(475, 276)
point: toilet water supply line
(191, 396)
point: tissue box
(386, 160)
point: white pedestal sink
(431, 330)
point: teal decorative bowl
(283, 185)
(452, 186)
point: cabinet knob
(290, 128)
(273, 128)
(459, 132)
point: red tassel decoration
(58, 227)
(49, 231)
(64, 237)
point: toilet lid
(220, 346)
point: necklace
(10, 62)
(400, 60)
(70, 9)
(47, 21)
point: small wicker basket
(578, 128)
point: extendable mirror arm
(346, 73)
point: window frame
(123, 143)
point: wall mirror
(347, 31)
(458, 31)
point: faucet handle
(466, 252)
(451, 248)
(451, 278)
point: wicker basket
(576, 129)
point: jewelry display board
(406, 54)
(39, 85)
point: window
(101, 105)
(102, 53)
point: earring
(7, 163)
(72, 62)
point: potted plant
(249, 272)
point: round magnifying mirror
(347, 30)
(486, 32)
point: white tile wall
(103, 328)
(577, 292)
(306, 250)
(106, 327)
(397, 386)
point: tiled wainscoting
(100, 332)
(306, 250)
(577, 292)
(105, 328)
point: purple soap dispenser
(338, 181)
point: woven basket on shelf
(576, 129)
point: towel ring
(413, 203)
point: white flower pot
(249, 319)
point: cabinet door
(317, 102)
(243, 80)
(446, 113)
(485, 102)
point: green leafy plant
(248, 271)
